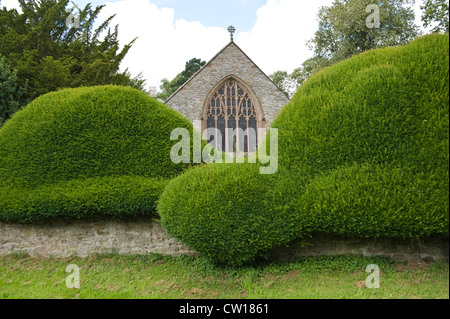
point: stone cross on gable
(231, 29)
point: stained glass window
(229, 108)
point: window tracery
(231, 112)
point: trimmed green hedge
(383, 106)
(370, 138)
(87, 151)
(374, 201)
(229, 212)
(99, 196)
(363, 151)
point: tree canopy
(436, 11)
(349, 27)
(169, 87)
(289, 83)
(49, 53)
(11, 94)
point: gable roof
(209, 62)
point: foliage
(436, 11)
(77, 152)
(111, 196)
(368, 141)
(289, 83)
(11, 95)
(169, 87)
(364, 151)
(343, 29)
(228, 212)
(48, 54)
(343, 32)
(282, 80)
(376, 201)
(352, 115)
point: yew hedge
(88, 151)
(363, 152)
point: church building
(229, 92)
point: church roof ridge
(212, 59)
(195, 74)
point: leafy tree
(169, 87)
(12, 96)
(348, 27)
(436, 11)
(282, 80)
(49, 53)
(289, 83)
(344, 31)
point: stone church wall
(231, 61)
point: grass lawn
(161, 277)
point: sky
(273, 33)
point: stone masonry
(143, 235)
(231, 61)
(61, 239)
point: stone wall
(82, 238)
(407, 250)
(143, 235)
(231, 61)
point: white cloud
(276, 42)
(278, 39)
(11, 4)
(164, 44)
(418, 18)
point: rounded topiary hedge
(86, 151)
(369, 136)
(229, 212)
(373, 201)
(383, 106)
(363, 151)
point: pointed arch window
(232, 114)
